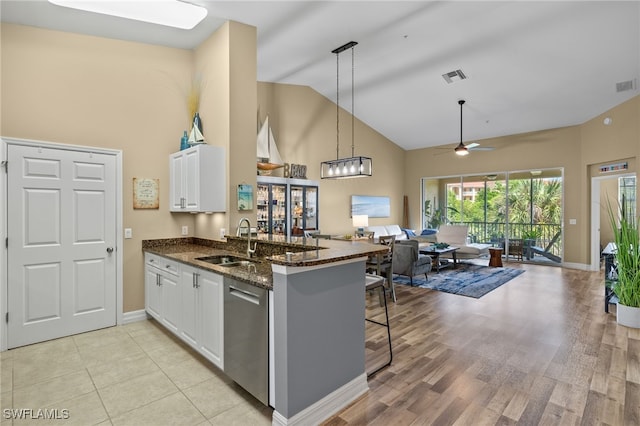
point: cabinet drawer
(162, 263)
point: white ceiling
(530, 65)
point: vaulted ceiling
(529, 65)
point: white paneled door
(61, 213)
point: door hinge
(5, 165)
(7, 318)
(6, 242)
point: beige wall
(229, 62)
(91, 91)
(304, 126)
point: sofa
(457, 236)
(385, 230)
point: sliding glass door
(509, 209)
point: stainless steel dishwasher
(246, 337)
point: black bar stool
(373, 282)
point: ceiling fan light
(461, 150)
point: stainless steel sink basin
(225, 260)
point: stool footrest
(372, 282)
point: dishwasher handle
(244, 295)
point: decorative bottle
(184, 142)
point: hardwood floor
(539, 350)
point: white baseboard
(580, 266)
(327, 406)
(133, 316)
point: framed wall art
(145, 193)
(245, 197)
(372, 206)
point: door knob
(109, 250)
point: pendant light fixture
(352, 167)
(461, 149)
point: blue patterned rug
(466, 280)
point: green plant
(435, 218)
(532, 234)
(627, 257)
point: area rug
(466, 280)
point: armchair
(408, 261)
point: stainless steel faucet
(250, 250)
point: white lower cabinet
(189, 302)
(202, 312)
(162, 291)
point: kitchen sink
(225, 260)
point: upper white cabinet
(198, 180)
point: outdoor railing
(483, 232)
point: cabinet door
(176, 182)
(211, 317)
(311, 208)
(170, 301)
(189, 310)
(192, 180)
(152, 292)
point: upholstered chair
(408, 261)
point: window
(627, 197)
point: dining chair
(382, 264)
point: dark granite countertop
(295, 252)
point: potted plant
(531, 236)
(627, 259)
(437, 217)
(529, 240)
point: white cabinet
(189, 302)
(202, 313)
(198, 180)
(162, 291)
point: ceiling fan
(463, 149)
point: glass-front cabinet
(304, 208)
(271, 204)
(287, 206)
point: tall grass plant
(627, 257)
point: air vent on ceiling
(623, 86)
(452, 76)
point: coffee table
(435, 255)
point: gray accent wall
(319, 333)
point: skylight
(172, 13)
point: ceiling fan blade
(472, 145)
(482, 148)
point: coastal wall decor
(245, 197)
(372, 206)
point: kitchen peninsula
(316, 315)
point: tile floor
(137, 374)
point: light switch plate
(572, 221)
(128, 233)
(185, 230)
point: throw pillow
(410, 233)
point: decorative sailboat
(196, 137)
(268, 155)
